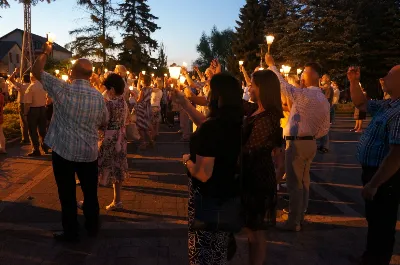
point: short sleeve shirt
(35, 95)
(221, 140)
(383, 131)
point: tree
(94, 40)
(5, 3)
(138, 24)
(217, 45)
(250, 32)
(162, 61)
(378, 35)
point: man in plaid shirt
(379, 155)
(79, 111)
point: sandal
(114, 206)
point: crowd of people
(244, 139)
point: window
(10, 57)
(17, 57)
(38, 45)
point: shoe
(323, 150)
(114, 206)
(62, 237)
(359, 131)
(285, 210)
(47, 152)
(283, 185)
(352, 130)
(34, 153)
(79, 205)
(288, 227)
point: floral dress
(261, 134)
(113, 164)
(143, 110)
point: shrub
(11, 126)
(11, 108)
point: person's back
(78, 114)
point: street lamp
(174, 71)
(270, 40)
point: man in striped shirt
(379, 155)
(79, 111)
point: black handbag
(219, 214)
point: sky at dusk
(181, 21)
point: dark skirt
(359, 115)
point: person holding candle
(143, 110)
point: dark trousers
(23, 123)
(64, 172)
(163, 113)
(37, 122)
(381, 215)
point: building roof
(5, 47)
(42, 40)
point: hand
(188, 93)
(184, 70)
(196, 68)
(269, 60)
(354, 74)
(178, 97)
(218, 68)
(368, 192)
(185, 158)
(140, 76)
(47, 48)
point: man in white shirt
(35, 112)
(308, 120)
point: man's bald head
(392, 82)
(82, 69)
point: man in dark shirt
(328, 91)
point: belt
(293, 138)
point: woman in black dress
(212, 163)
(262, 134)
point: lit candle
(127, 72)
(165, 75)
(260, 69)
(93, 69)
(57, 72)
(131, 88)
(184, 64)
(152, 75)
(73, 61)
(174, 72)
(51, 37)
(105, 70)
(172, 85)
(270, 39)
(182, 79)
(241, 63)
(64, 77)
(143, 72)
(299, 71)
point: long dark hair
(270, 90)
(225, 98)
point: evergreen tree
(138, 24)
(162, 61)
(94, 40)
(378, 35)
(250, 33)
(217, 45)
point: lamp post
(270, 40)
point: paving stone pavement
(152, 228)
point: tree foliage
(216, 45)
(162, 61)
(5, 3)
(138, 24)
(95, 40)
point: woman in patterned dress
(262, 135)
(212, 163)
(143, 110)
(113, 164)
